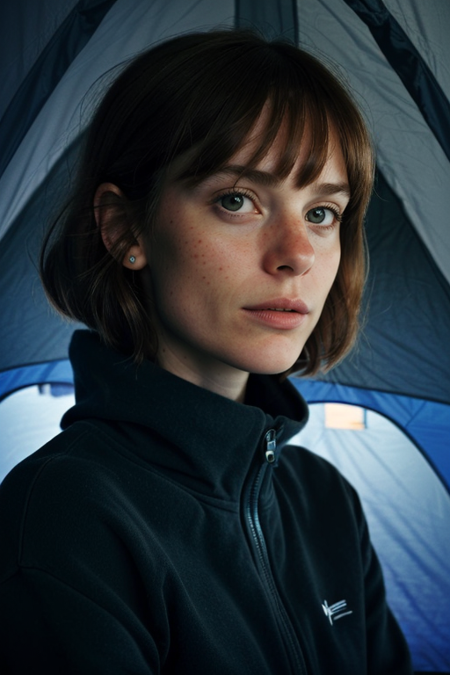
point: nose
(289, 249)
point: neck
(220, 379)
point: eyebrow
(267, 179)
(256, 176)
(329, 189)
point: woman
(213, 244)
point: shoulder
(57, 497)
(318, 487)
(306, 465)
(65, 460)
(84, 449)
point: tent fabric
(56, 56)
(428, 30)
(406, 61)
(425, 422)
(272, 19)
(70, 38)
(51, 372)
(28, 27)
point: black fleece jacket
(162, 532)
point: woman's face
(240, 268)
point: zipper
(271, 446)
(257, 536)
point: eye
(236, 201)
(323, 216)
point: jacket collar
(209, 440)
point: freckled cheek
(205, 258)
(194, 259)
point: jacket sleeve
(69, 599)
(387, 650)
(49, 627)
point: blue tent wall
(50, 372)
(395, 58)
(425, 422)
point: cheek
(329, 265)
(199, 258)
(187, 263)
(210, 260)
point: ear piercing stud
(132, 259)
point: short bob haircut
(203, 93)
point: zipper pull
(271, 446)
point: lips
(281, 305)
(278, 313)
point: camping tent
(396, 57)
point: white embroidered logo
(336, 611)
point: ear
(108, 200)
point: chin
(268, 366)
(271, 371)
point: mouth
(281, 314)
(281, 305)
(278, 309)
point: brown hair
(203, 93)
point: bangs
(287, 110)
(297, 101)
